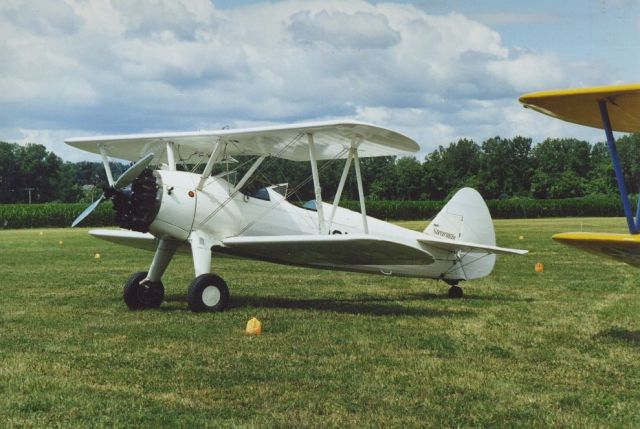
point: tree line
(499, 168)
(32, 172)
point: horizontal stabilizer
(453, 245)
(338, 250)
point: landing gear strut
(207, 293)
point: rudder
(466, 218)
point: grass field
(559, 348)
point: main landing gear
(140, 294)
(207, 292)
(455, 291)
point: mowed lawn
(559, 348)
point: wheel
(455, 292)
(207, 292)
(140, 296)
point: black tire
(207, 292)
(455, 292)
(141, 296)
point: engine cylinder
(137, 206)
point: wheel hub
(211, 296)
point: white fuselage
(218, 212)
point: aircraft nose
(137, 206)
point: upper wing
(332, 140)
(327, 250)
(622, 247)
(580, 105)
(453, 245)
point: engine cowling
(176, 212)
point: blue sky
(435, 70)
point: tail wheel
(139, 296)
(455, 292)
(208, 292)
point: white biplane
(167, 210)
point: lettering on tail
(444, 234)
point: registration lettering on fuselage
(444, 234)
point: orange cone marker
(254, 327)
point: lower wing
(303, 250)
(327, 250)
(622, 247)
(138, 240)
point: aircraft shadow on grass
(630, 337)
(468, 297)
(368, 306)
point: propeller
(123, 181)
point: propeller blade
(88, 210)
(132, 172)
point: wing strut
(353, 155)
(235, 190)
(322, 227)
(209, 167)
(107, 167)
(343, 180)
(634, 224)
(247, 175)
(171, 158)
(363, 209)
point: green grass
(556, 349)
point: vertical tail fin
(466, 218)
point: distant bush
(398, 210)
(513, 208)
(16, 216)
(594, 205)
(61, 215)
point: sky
(434, 70)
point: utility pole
(29, 191)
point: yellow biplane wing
(621, 247)
(612, 108)
(580, 105)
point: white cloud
(360, 30)
(156, 18)
(52, 140)
(42, 18)
(92, 66)
(515, 18)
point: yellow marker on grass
(254, 327)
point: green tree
(39, 172)
(447, 169)
(9, 173)
(601, 179)
(629, 155)
(562, 167)
(505, 167)
(409, 178)
(68, 189)
(378, 177)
